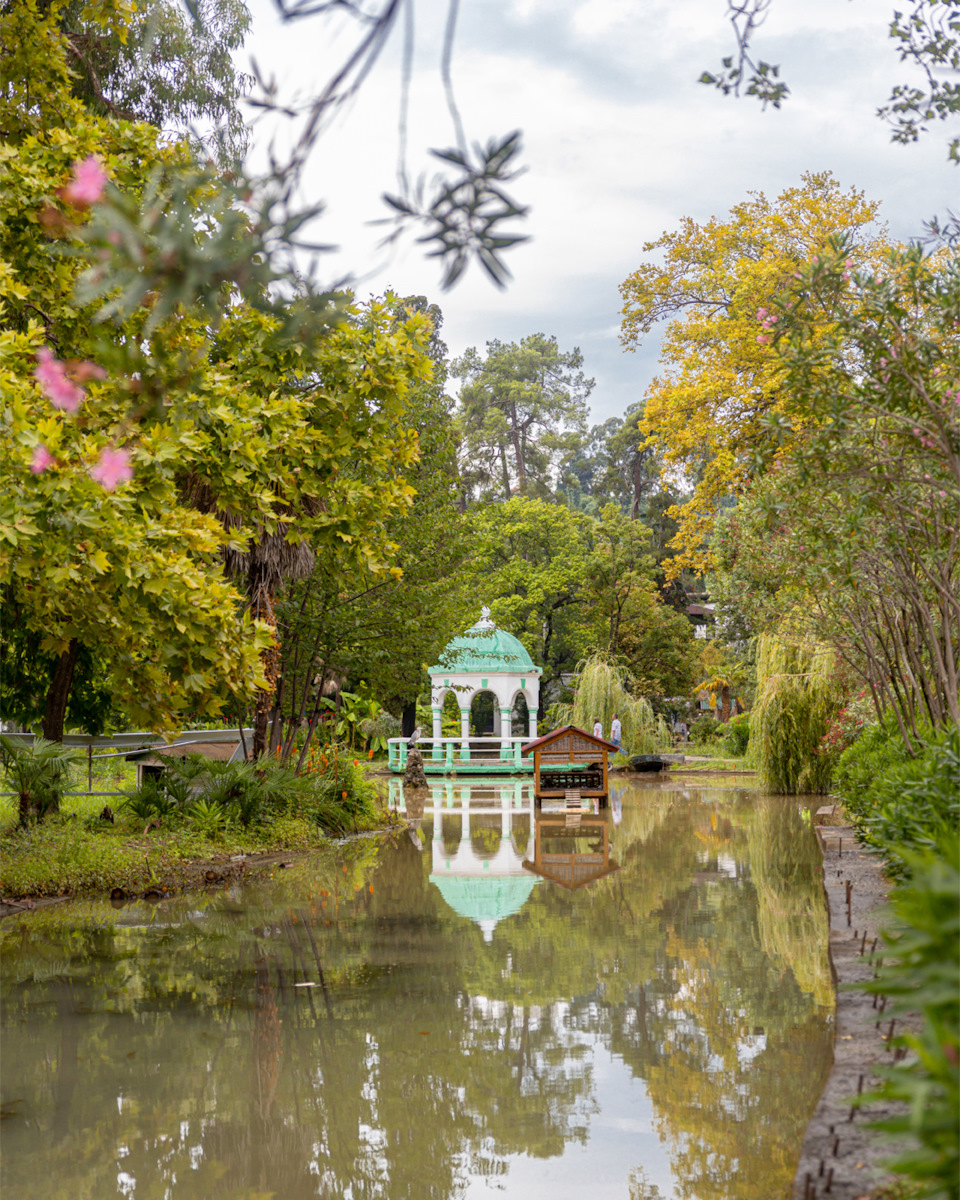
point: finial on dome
(484, 622)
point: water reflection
(662, 1031)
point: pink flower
(112, 469)
(51, 374)
(86, 187)
(42, 458)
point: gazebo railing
(451, 750)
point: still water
(635, 1006)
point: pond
(634, 1003)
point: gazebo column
(465, 733)
(533, 723)
(437, 732)
(437, 823)
(506, 717)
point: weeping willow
(601, 692)
(796, 700)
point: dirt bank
(840, 1158)
(184, 876)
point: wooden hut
(153, 762)
(570, 760)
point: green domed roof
(485, 649)
(485, 900)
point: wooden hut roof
(216, 751)
(556, 734)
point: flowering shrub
(848, 725)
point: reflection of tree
(441, 1056)
(641, 1188)
(785, 867)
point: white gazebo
(485, 659)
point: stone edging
(840, 1159)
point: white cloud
(621, 143)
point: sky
(620, 142)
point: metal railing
(451, 750)
(125, 745)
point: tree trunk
(59, 693)
(505, 472)
(408, 719)
(724, 704)
(261, 609)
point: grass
(720, 758)
(75, 851)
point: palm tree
(36, 772)
(723, 676)
(271, 560)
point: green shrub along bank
(900, 803)
(923, 975)
(196, 809)
(909, 809)
(210, 796)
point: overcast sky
(620, 142)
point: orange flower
(355, 763)
(344, 794)
(370, 753)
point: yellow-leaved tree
(715, 284)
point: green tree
(382, 628)
(849, 537)
(533, 560)
(228, 429)
(520, 408)
(162, 65)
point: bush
(210, 796)
(901, 804)
(704, 730)
(909, 808)
(924, 975)
(342, 797)
(736, 735)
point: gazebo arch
(485, 659)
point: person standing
(597, 728)
(616, 731)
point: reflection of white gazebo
(485, 659)
(483, 888)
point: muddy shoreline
(177, 877)
(840, 1158)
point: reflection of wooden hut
(570, 759)
(559, 853)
